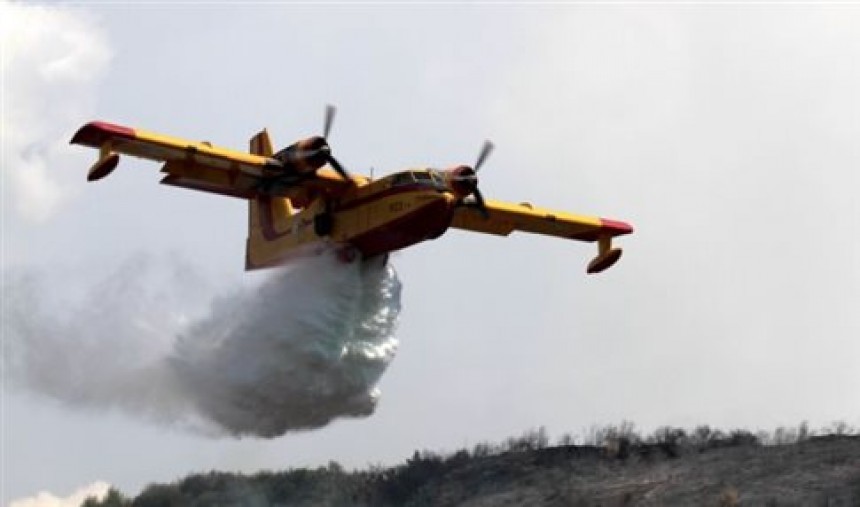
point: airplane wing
(189, 164)
(503, 218)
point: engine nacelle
(305, 156)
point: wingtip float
(301, 196)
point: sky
(725, 133)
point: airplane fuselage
(375, 218)
(393, 218)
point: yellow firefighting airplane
(296, 204)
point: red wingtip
(95, 133)
(615, 227)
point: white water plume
(306, 346)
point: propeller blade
(479, 203)
(329, 119)
(339, 168)
(485, 152)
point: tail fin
(261, 144)
(269, 221)
(266, 215)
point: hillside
(672, 468)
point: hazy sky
(726, 134)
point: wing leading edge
(505, 218)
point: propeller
(469, 175)
(329, 119)
(486, 149)
(308, 155)
(480, 204)
(330, 111)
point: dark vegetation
(609, 466)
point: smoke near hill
(305, 346)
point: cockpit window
(402, 179)
(438, 177)
(430, 178)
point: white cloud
(44, 499)
(53, 59)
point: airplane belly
(402, 220)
